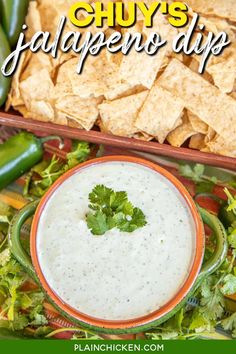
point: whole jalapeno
(5, 82)
(13, 13)
(18, 154)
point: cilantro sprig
(231, 201)
(110, 209)
(204, 184)
(44, 174)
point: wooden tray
(17, 121)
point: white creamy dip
(116, 276)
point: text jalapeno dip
(119, 275)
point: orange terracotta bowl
(154, 318)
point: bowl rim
(171, 304)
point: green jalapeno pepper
(13, 17)
(5, 82)
(19, 154)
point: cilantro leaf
(4, 219)
(5, 256)
(97, 223)
(204, 184)
(112, 209)
(43, 175)
(42, 331)
(39, 320)
(212, 301)
(229, 287)
(231, 201)
(6, 214)
(100, 197)
(20, 322)
(127, 209)
(199, 321)
(137, 220)
(118, 200)
(204, 187)
(80, 153)
(194, 173)
(229, 324)
(232, 239)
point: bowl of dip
(118, 282)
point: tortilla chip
(141, 68)
(38, 110)
(219, 146)
(36, 87)
(100, 77)
(35, 92)
(213, 24)
(41, 110)
(91, 82)
(33, 20)
(23, 110)
(210, 135)
(198, 125)
(51, 11)
(215, 108)
(60, 118)
(97, 76)
(224, 74)
(220, 8)
(194, 66)
(197, 141)
(162, 26)
(83, 111)
(14, 97)
(115, 58)
(216, 25)
(143, 136)
(118, 117)
(233, 95)
(74, 124)
(121, 89)
(38, 61)
(182, 133)
(159, 114)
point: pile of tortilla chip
(161, 97)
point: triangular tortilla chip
(220, 8)
(84, 111)
(198, 125)
(224, 74)
(182, 133)
(118, 117)
(159, 114)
